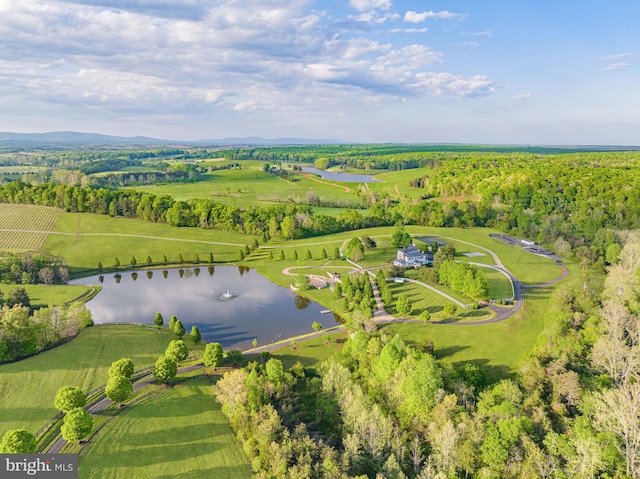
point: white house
(412, 256)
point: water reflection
(259, 309)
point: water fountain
(226, 296)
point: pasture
(42, 295)
(25, 227)
(28, 387)
(251, 186)
(180, 432)
(85, 239)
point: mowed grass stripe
(25, 227)
(179, 433)
(28, 387)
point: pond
(256, 308)
(339, 176)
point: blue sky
(491, 71)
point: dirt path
(163, 238)
(313, 178)
(395, 187)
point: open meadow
(252, 186)
(28, 387)
(179, 432)
(85, 239)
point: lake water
(257, 309)
(339, 176)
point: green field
(102, 238)
(42, 295)
(28, 387)
(181, 432)
(252, 186)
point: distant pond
(339, 176)
(256, 308)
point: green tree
(122, 367)
(308, 255)
(133, 261)
(158, 320)
(210, 257)
(323, 253)
(337, 290)
(316, 326)
(295, 254)
(18, 296)
(116, 262)
(77, 425)
(275, 371)
(235, 356)
(213, 355)
(403, 305)
(177, 350)
(165, 369)
(118, 388)
(18, 441)
(400, 238)
(195, 335)
(425, 317)
(282, 256)
(100, 267)
(241, 255)
(336, 253)
(450, 309)
(69, 397)
(172, 322)
(270, 254)
(178, 329)
(355, 249)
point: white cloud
(615, 66)
(245, 106)
(446, 83)
(616, 56)
(523, 97)
(368, 5)
(485, 33)
(176, 60)
(409, 30)
(415, 17)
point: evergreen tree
(195, 335)
(178, 329)
(158, 320)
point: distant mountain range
(74, 138)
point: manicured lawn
(498, 348)
(103, 238)
(498, 284)
(44, 295)
(424, 299)
(28, 387)
(179, 433)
